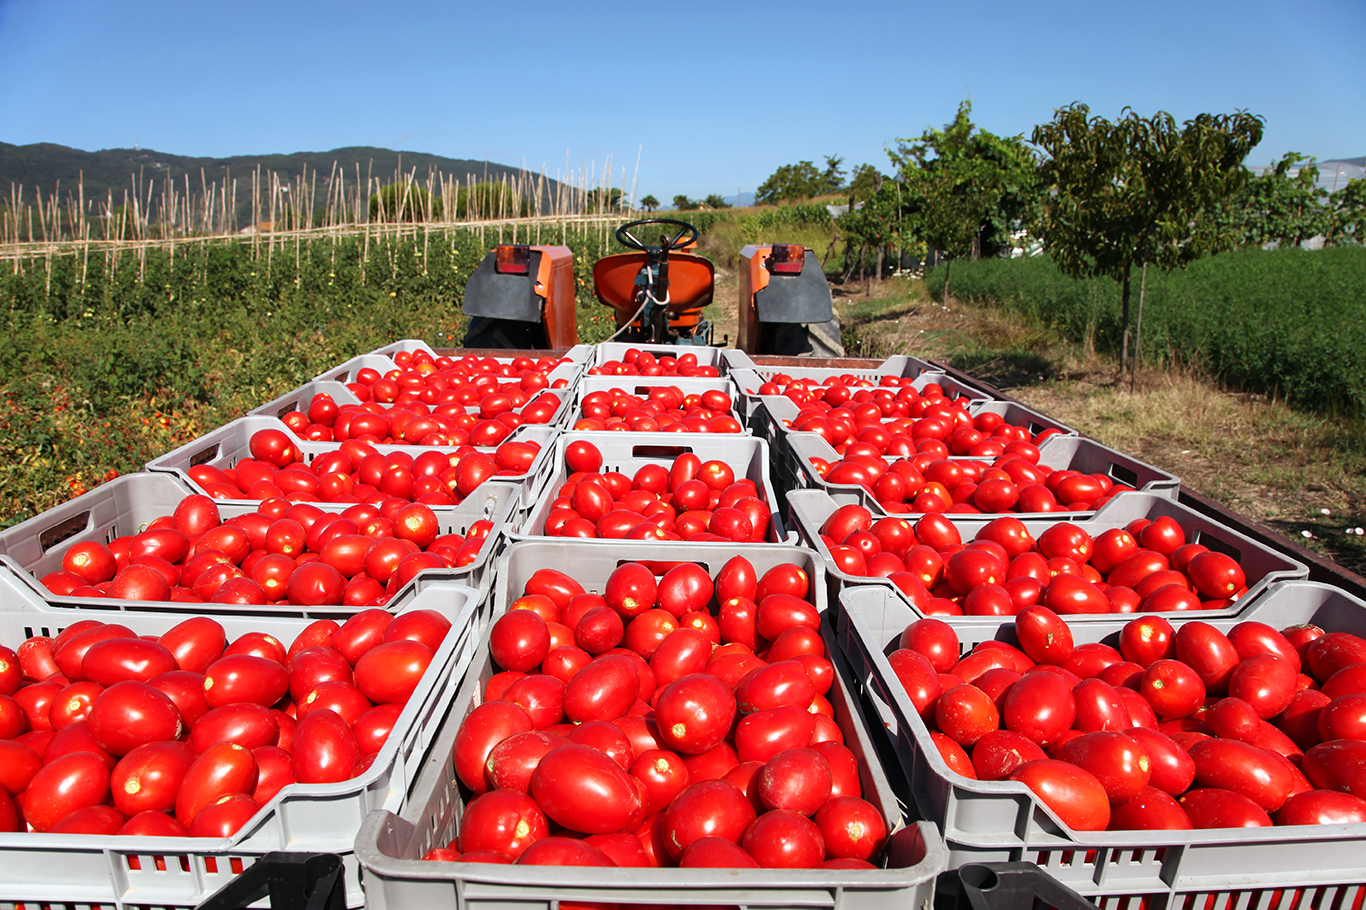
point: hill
(46, 166)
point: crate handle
(659, 451)
(1207, 538)
(1124, 474)
(64, 530)
(287, 409)
(292, 881)
(204, 456)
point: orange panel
(555, 282)
(753, 279)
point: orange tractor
(523, 296)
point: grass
(1290, 469)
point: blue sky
(751, 86)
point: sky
(707, 97)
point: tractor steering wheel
(628, 240)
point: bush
(1287, 322)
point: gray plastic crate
(230, 443)
(346, 371)
(641, 386)
(795, 451)
(627, 453)
(389, 846)
(137, 872)
(749, 382)
(299, 399)
(774, 417)
(615, 350)
(1262, 565)
(405, 346)
(1002, 821)
(34, 547)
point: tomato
(561, 851)
(715, 853)
(1233, 718)
(933, 638)
(64, 785)
(315, 584)
(389, 673)
(663, 775)
(247, 725)
(851, 828)
(360, 633)
(1337, 765)
(511, 762)
(1100, 707)
(918, 677)
(1070, 594)
(763, 734)
(1172, 770)
(630, 590)
(795, 779)
(965, 714)
(582, 456)
(483, 728)
(684, 651)
(1040, 706)
(1209, 652)
(1172, 688)
(1215, 575)
(148, 777)
(586, 791)
(1151, 810)
(224, 817)
(1117, 761)
(1073, 793)
(1210, 807)
(1043, 635)
(311, 667)
(540, 696)
(1322, 807)
(324, 749)
(1343, 718)
(503, 820)
(244, 678)
(604, 690)
(1264, 681)
(997, 754)
(221, 770)
(1146, 640)
(684, 589)
(128, 714)
(781, 839)
(695, 713)
(709, 808)
(779, 612)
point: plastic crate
(810, 508)
(1005, 886)
(134, 872)
(898, 365)
(389, 846)
(795, 451)
(627, 453)
(615, 350)
(34, 547)
(749, 382)
(230, 443)
(346, 371)
(1002, 821)
(641, 386)
(406, 346)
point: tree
(792, 182)
(683, 203)
(1349, 213)
(968, 189)
(490, 200)
(714, 201)
(605, 199)
(649, 203)
(1276, 207)
(1139, 191)
(402, 202)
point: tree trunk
(1138, 330)
(880, 251)
(1124, 321)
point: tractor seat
(691, 281)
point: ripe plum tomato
(1043, 635)
(1117, 761)
(389, 673)
(795, 779)
(484, 727)
(965, 714)
(781, 839)
(709, 808)
(1151, 810)
(584, 790)
(1074, 794)
(1173, 689)
(519, 640)
(695, 713)
(1039, 706)
(1211, 807)
(503, 820)
(64, 785)
(851, 828)
(220, 770)
(604, 690)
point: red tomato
(784, 840)
(585, 790)
(484, 727)
(148, 778)
(1322, 807)
(220, 770)
(695, 713)
(997, 754)
(511, 762)
(1151, 810)
(388, 673)
(1043, 635)
(604, 690)
(502, 820)
(64, 785)
(795, 779)
(1211, 807)
(1040, 706)
(709, 808)
(965, 714)
(1264, 681)
(130, 714)
(1074, 794)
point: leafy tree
(791, 182)
(402, 202)
(714, 201)
(1278, 208)
(649, 203)
(879, 222)
(490, 200)
(833, 178)
(865, 182)
(683, 203)
(1139, 191)
(1349, 213)
(605, 199)
(968, 189)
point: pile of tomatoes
(287, 552)
(666, 409)
(420, 424)
(636, 362)
(356, 473)
(689, 500)
(902, 421)
(106, 732)
(1146, 566)
(1176, 728)
(464, 381)
(928, 482)
(669, 721)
